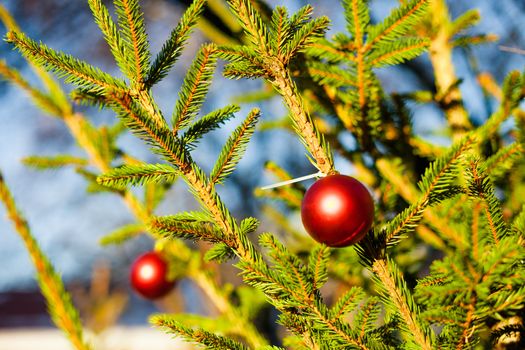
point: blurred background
(68, 222)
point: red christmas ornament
(148, 276)
(337, 210)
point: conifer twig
(49, 81)
(210, 340)
(446, 80)
(468, 328)
(362, 82)
(59, 303)
(268, 57)
(73, 69)
(41, 99)
(402, 299)
(409, 192)
(303, 121)
(131, 22)
(434, 179)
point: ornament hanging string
(291, 181)
(512, 49)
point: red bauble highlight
(148, 276)
(337, 210)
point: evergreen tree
(466, 204)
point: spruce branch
(504, 160)
(303, 37)
(253, 25)
(111, 35)
(466, 289)
(399, 300)
(194, 88)
(274, 68)
(41, 99)
(313, 140)
(129, 46)
(466, 20)
(280, 27)
(347, 303)
(328, 74)
(123, 234)
(58, 161)
(87, 137)
(172, 48)
(290, 289)
(257, 274)
(145, 220)
(401, 50)
(288, 266)
(441, 58)
(207, 123)
(479, 187)
(397, 24)
(65, 66)
(511, 96)
(331, 52)
(53, 88)
(210, 340)
(137, 174)
(58, 300)
(436, 184)
(367, 315)
(173, 150)
(131, 23)
(367, 111)
(234, 148)
(344, 68)
(317, 265)
(172, 226)
(357, 18)
(143, 125)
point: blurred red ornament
(148, 276)
(337, 210)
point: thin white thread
(512, 49)
(291, 181)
